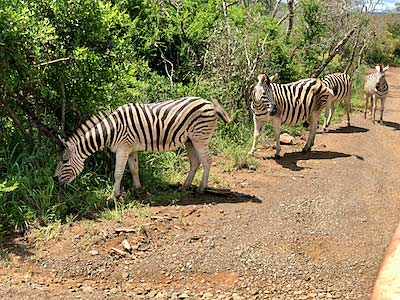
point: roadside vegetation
(63, 61)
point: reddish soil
(307, 226)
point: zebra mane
(87, 125)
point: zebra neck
(381, 86)
(90, 143)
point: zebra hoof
(305, 150)
(200, 190)
(277, 156)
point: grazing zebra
(133, 127)
(340, 84)
(376, 87)
(290, 104)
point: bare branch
(52, 62)
(287, 15)
(276, 8)
(333, 53)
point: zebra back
(340, 84)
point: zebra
(340, 84)
(291, 103)
(134, 127)
(376, 87)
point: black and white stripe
(291, 104)
(340, 84)
(376, 87)
(133, 127)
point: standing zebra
(340, 84)
(376, 87)
(290, 104)
(133, 127)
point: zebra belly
(160, 147)
(291, 119)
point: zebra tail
(221, 112)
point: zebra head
(263, 96)
(69, 166)
(380, 75)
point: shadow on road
(210, 196)
(394, 125)
(289, 160)
(10, 246)
(348, 129)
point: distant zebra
(133, 127)
(376, 87)
(291, 103)
(340, 84)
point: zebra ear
(63, 142)
(274, 77)
(262, 78)
(385, 68)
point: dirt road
(316, 228)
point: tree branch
(333, 53)
(52, 62)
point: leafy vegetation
(64, 60)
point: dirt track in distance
(307, 226)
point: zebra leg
(382, 109)
(204, 157)
(331, 111)
(347, 103)
(276, 123)
(374, 100)
(327, 111)
(257, 128)
(366, 99)
(313, 120)
(134, 168)
(194, 164)
(120, 163)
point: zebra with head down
(134, 127)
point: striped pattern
(376, 87)
(291, 104)
(133, 127)
(340, 84)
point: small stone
(236, 296)
(93, 252)
(152, 294)
(208, 295)
(126, 246)
(126, 275)
(254, 291)
(184, 295)
(287, 139)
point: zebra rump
(340, 84)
